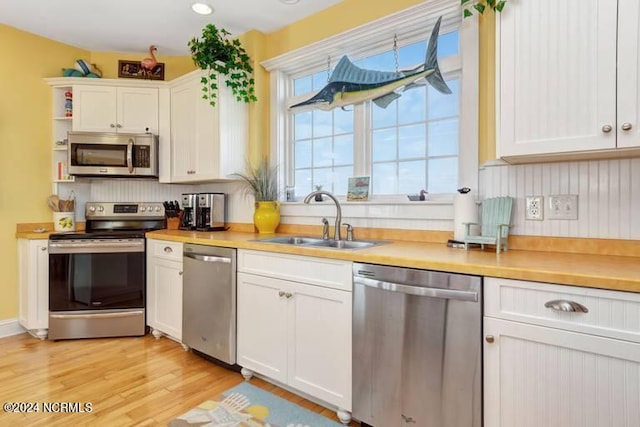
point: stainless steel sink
(344, 244)
(292, 240)
(315, 242)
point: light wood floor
(128, 381)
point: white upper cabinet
(568, 79)
(207, 143)
(115, 109)
(628, 74)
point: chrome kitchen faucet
(336, 234)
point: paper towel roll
(465, 209)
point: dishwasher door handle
(417, 290)
(209, 258)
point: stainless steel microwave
(113, 154)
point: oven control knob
(157, 208)
(142, 209)
(100, 208)
(92, 208)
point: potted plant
(481, 5)
(260, 182)
(218, 54)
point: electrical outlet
(563, 206)
(534, 209)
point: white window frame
(410, 25)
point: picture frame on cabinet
(134, 70)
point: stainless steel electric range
(97, 278)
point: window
(414, 143)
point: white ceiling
(133, 25)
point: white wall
(608, 196)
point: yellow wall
(339, 18)
(174, 66)
(255, 44)
(25, 145)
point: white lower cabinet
(545, 367)
(296, 333)
(164, 288)
(33, 283)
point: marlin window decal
(350, 84)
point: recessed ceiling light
(202, 8)
(289, 1)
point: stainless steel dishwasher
(209, 301)
(417, 347)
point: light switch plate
(534, 209)
(562, 206)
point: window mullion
(362, 139)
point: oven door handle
(94, 315)
(62, 248)
(209, 258)
(130, 155)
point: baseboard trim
(9, 327)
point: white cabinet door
(628, 74)
(33, 279)
(319, 342)
(137, 110)
(536, 376)
(164, 291)
(194, 133)
(94, 108)
(557, 77)
(182, 136)
(207, 143)
(297, 334)
(115, 109)
(261, 327)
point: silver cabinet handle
(490, 339)
(607, 128)
(112, 125)
(167, 250)
(626, 126)
(180, 273)
(566, 305)
(44, 248)
(118, 125)
(281, 294)
(288, 294)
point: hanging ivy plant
(481, 5)
(218, 54)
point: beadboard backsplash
(608, 196)
(608, 200)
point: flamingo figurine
(148, 64)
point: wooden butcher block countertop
(597, 271)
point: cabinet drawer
(612, 314)
(325, 272)
(165, 249)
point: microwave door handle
(130, 155)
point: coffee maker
(211, 212)
(189, 204)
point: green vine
(481, 5)
(215, 52)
